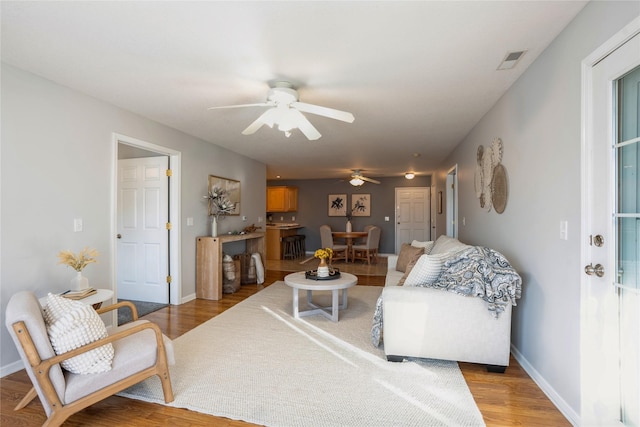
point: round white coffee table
(298, 281)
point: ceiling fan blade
(306, 127)
(364, 178)
(324, 111)
(266, 118)
(261, 104)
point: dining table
(348, 236)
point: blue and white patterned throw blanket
(475, 271)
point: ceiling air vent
(511, 59)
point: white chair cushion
(426, 270)
(72, 324)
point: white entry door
(610, 322)
(142, 229)
(413, 215)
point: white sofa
(437, 324)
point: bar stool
(289, 247)
(301, 248)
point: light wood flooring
(509, 399)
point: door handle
(598, 270)
(119, 236)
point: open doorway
(146, 246)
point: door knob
(598, 270)
(119, 236)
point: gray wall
(313, 210)
(57, 165)
(539, 123)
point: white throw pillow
(427, 246)
(446, 244)
(426, 271)
(72, 324)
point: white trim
(11, 368)
(188, 298)
(175, 296)
(572, 416)
(452, 203)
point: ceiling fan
(357, 179)
(286, 112)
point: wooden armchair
(140, 351)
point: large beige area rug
(257, 363)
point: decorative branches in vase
(78, 263)
(219, 207)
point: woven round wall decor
(499, 188)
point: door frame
(451, 210)
(175, 260)
(587, 143)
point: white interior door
(610, 322)
(142, 211)
(413, 215)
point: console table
(209, 261)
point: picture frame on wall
(337, 204)
(231, 186)
(361, 205)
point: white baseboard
(572, 416)
(11, 368)
(188, 298)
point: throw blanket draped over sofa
(452, 301)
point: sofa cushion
(72, 324)
(407, 254)
(446, 244)
(427, 246)
(426, 270)
(407, 270)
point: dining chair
(363, 240)
(326, 239)
(369, 250)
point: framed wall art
(337, 204)
(232, 188)
(361, 204)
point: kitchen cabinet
(282, 199)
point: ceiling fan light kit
(286, 112)
(357, 179)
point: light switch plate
(564, 230)
(77, 224)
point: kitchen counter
(283, 226)
(275, 233)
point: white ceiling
(416, 75)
